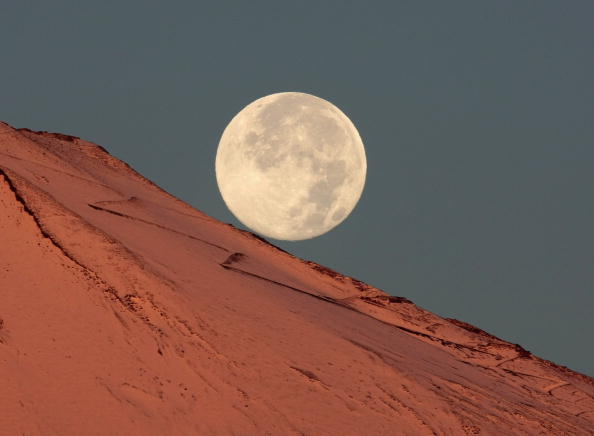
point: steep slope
(125, 311)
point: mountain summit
(124, 311)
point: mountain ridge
(170, 274)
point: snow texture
(124, 310)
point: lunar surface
(291, 166)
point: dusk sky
(477, 118)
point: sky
(477, 118)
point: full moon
(291, 166)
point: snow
(126, 311)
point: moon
(291, 166)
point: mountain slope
(125, 311)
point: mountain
(124, 311)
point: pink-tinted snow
(124, 311)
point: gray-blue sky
(477, 119)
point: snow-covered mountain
(125, 311)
